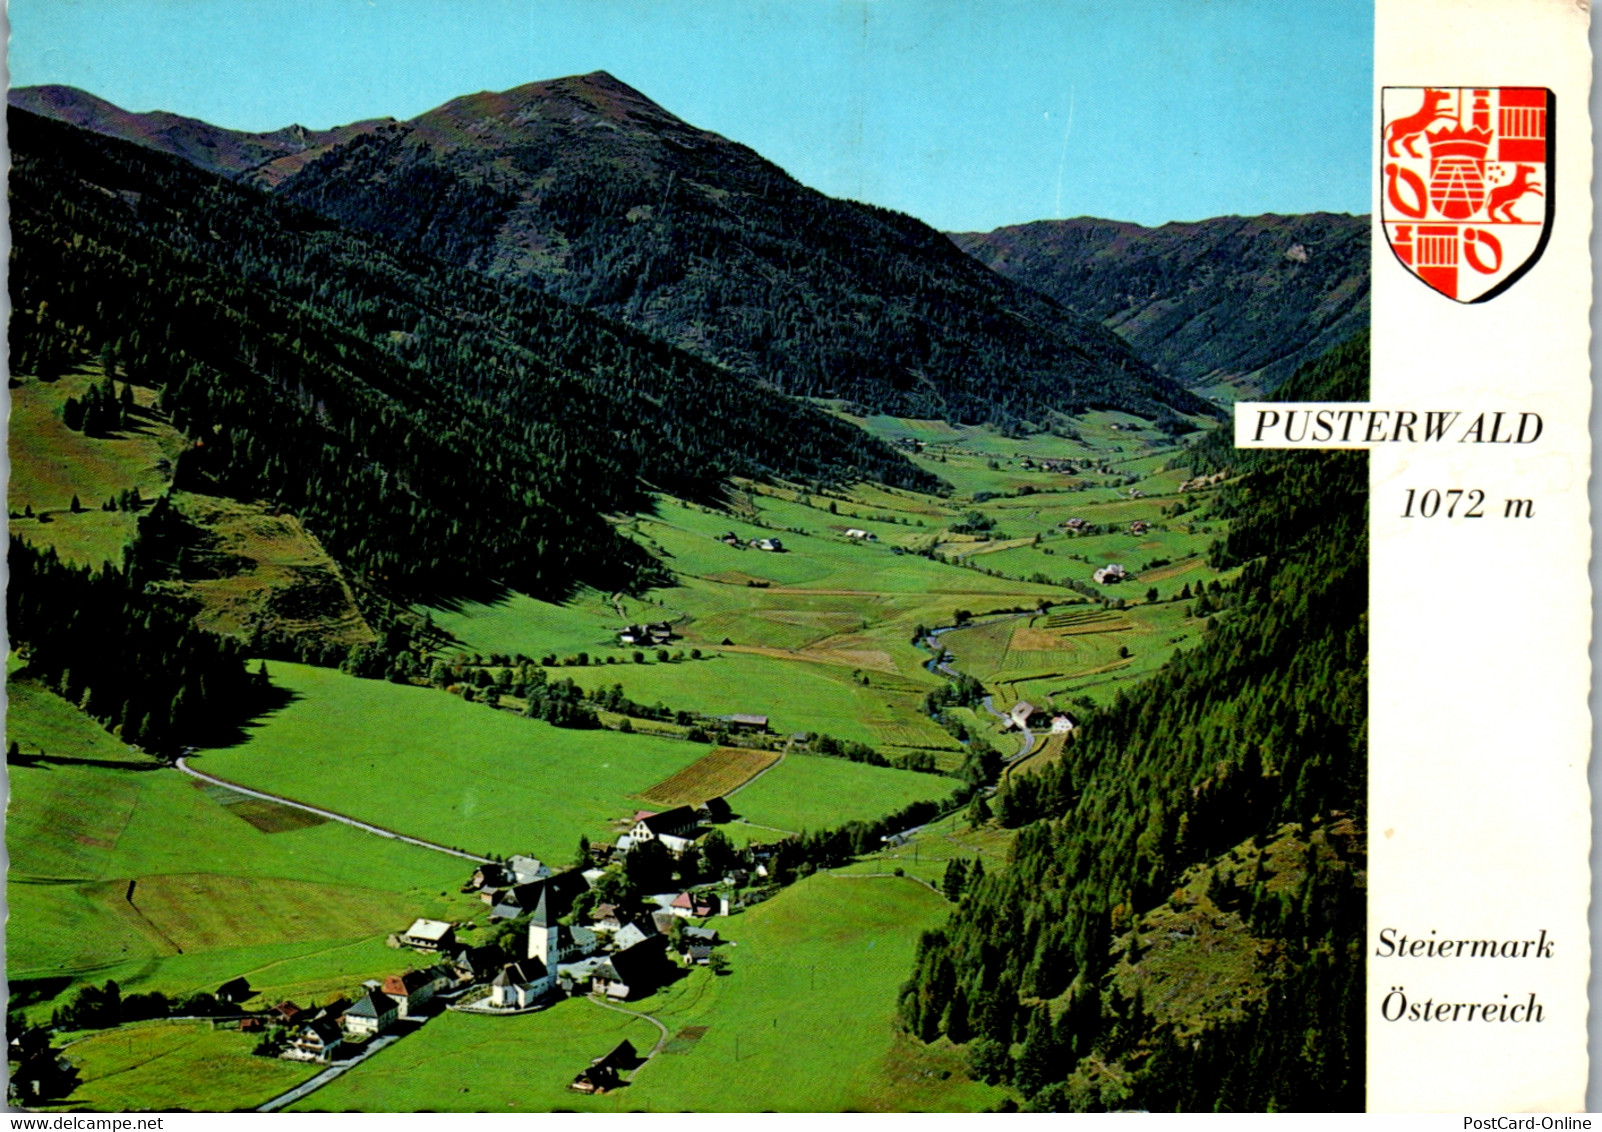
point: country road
(378, 830)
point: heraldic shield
(1466, 196)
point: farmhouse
(1073, 524)
(1112, 572)
(742, 722)
(1021, 713)
(1062, 723)
(527, 870)
(288, 1012)
(429, 935)
(414, 989)
(316, 1041)
(772, 544)
(1139, 527)
(695, 905)
(864, 536)
(631, 972)
(678, 822)
(729, 538)
(373, 1013)
(630, 934)
(487, 875)
(604, 1072)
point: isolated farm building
(1139, 527)
(521, 984)
(1062, 723)
(316, 1041)
(1072, 524)
(595, 1079)
(1021, 713)
(527, 870)
(631, 972)
(677, 822)
(1112, 572)
(634, 635)
(1135, 493)
(743, 722)
(429, 935)
(235, 990)
(373, 1013)
(772, 544)
(288, 1012)
(864, 536)
(620, 1059)
(729, 538)
(414, 989)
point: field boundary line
(378, 830)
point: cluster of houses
(729, 538)
(620, 954)
(1024, 715)
(1111, 573)
(656, 633)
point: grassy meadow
(132, 872)
(174, 1065)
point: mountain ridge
(586, 189)
(1238, 301)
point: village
(558, 939)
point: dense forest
(437, 430)
(1257, 735)
(95, 637)
(1233, 297)
(586, 189)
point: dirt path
(366, 827)
(660, 1042)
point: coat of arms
(1466, 184)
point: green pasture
(804, 1021)
(808, 792)
(205, 881)
(51, 463)
(926, 855)
(186, 1066)
(431, 765)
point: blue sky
(968, 114)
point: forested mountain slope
(1232, 299)
(435, 429)
(584, 188)
(1216, 812)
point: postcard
(893, 557)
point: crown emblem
(1458, 142)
